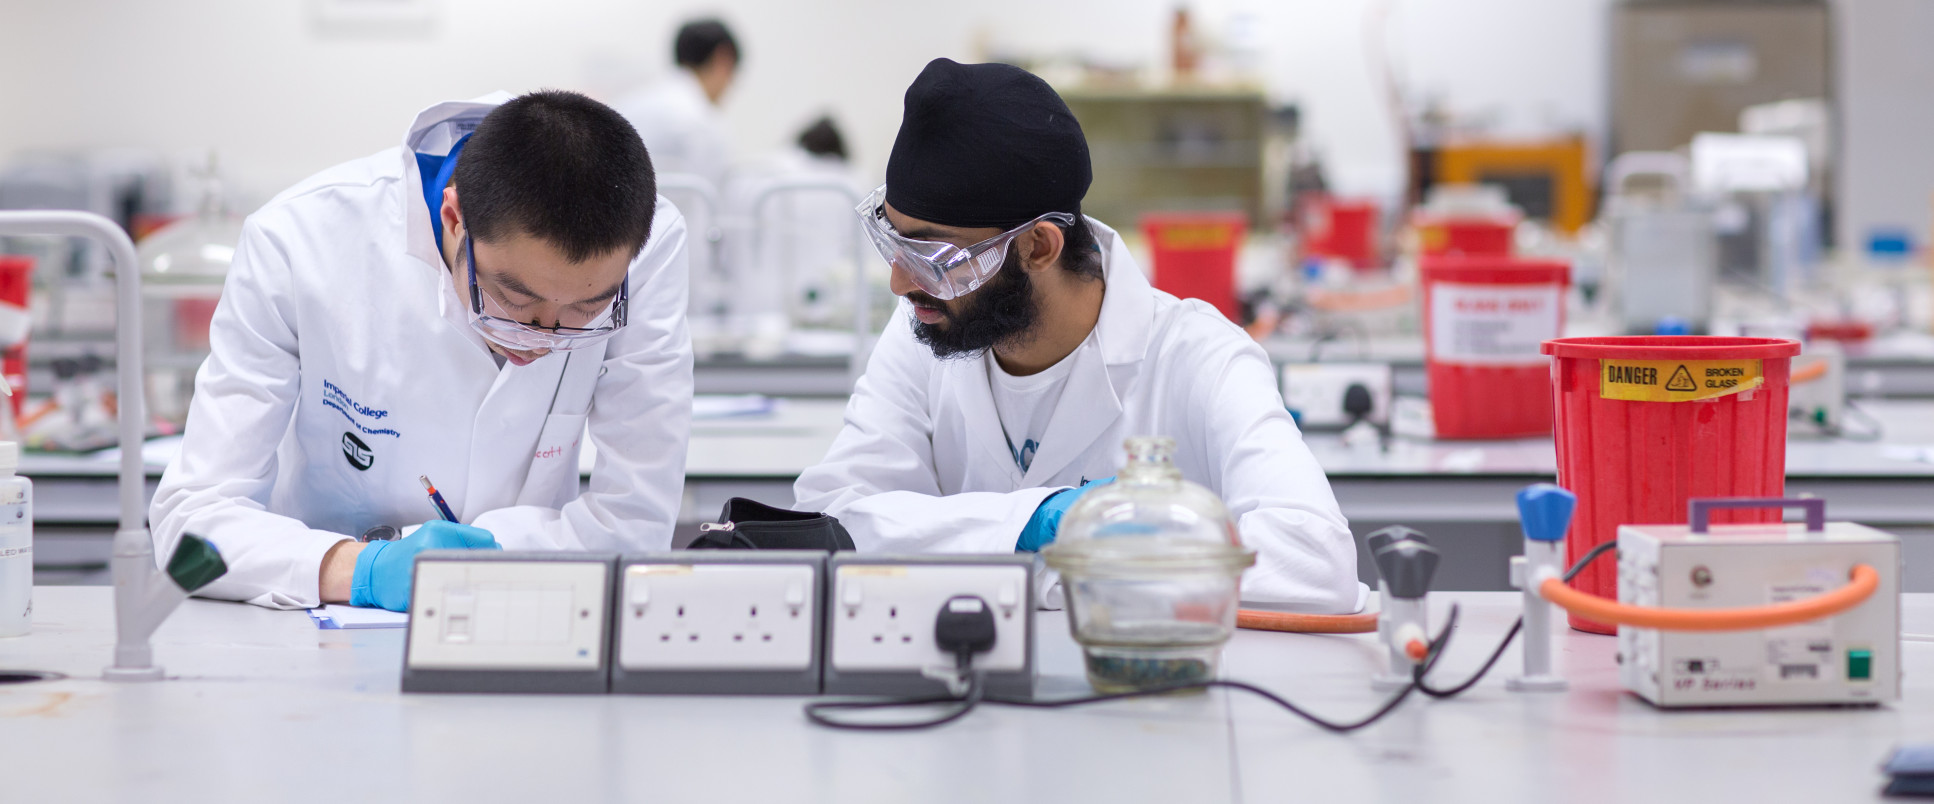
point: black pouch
(748, 525)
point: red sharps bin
(1646, 423)
(1465, 234)
(16, 288)
(1485, 318)
(1344, 230)
(1195, 255)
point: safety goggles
(943, 270)
(489, 318)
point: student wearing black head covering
(1030, 346)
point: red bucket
(1484, 321)
(1195, 255)
(1444, 234)
(1646, 423)
(16, 289)
(1344, 230)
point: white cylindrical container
(16, 545)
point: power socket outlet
(881, 612)
(1315, 392)
(508, 621)
(719, 622)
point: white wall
(280, 99)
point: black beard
(1001, 312)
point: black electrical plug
(1358, 404)
(965, 627)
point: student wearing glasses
(1029, 346)
(460, 308)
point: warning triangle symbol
(1681, 381)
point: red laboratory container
(1344, 230)
(16, 290)
(1646, 423)
(1195, 255)
(1449, 234)
(1485, 318)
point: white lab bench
(261, 706)
(1459, 492)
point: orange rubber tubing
(1292, 622)
(1591, 607)
(1808, 373)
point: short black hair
(822, 138)
(699, 40)
(1080, 250)
(562, 168)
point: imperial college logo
(357, 452)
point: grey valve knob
(1406, 566)
(1394, 533)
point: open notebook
(335, 616)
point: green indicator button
(1860, 664)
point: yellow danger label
(1676, 380)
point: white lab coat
(922, 464)
(342, 367)
(681, 127)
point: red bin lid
(1494, 269)
(1673, 347)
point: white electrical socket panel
(508, 621)
(724, 622)
(881, 612)
(1315, 391)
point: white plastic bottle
(16, 544)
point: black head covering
(985, 145)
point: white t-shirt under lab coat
(1025, 404)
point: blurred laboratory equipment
(1344, 229)
(16, 545)
(1663, 250)
(861, 279)
(1466, 219)
(121, 184)
(183, 266)
(16, 324)
(1768, 223)
(697, 199)
(1681, 67)
(1194, 255)
(1150, 565)
(78, 416)
(1485, 317)
(791, 236)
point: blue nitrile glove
(1046, 522)
(383, 570)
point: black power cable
(817, 711)
(1417, 675)
(964, 627)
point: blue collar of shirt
(436, 172)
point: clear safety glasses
(943, 270)
(490, 319)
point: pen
(442, 508)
